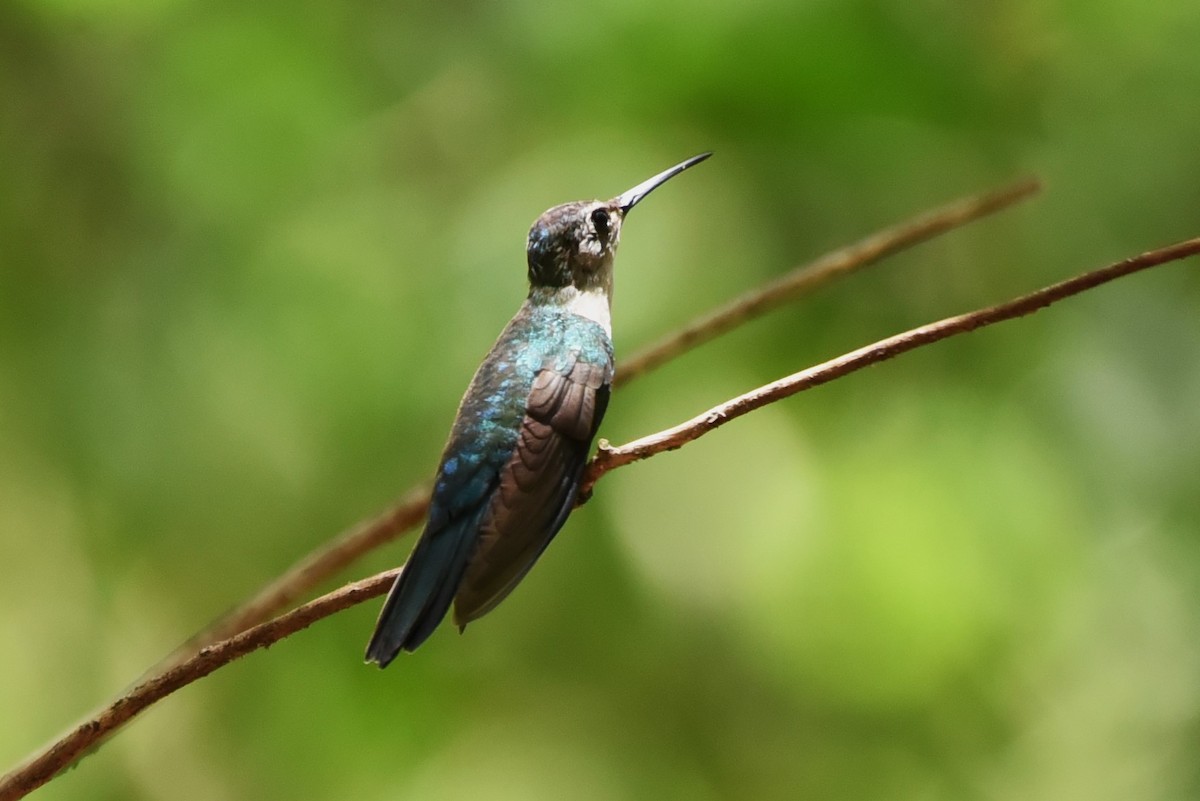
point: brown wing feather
(537, 487)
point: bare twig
(42, 766)
(807, 277)
(608, 458)
(318, 565)
(339, 553)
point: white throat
(593, 304)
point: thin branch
(609, 458)
(43, 766)
(804, 279)
(337, 554)
(332, 557)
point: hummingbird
(510, 472)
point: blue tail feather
(424, 590)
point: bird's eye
(600, 222)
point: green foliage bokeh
(251, 253)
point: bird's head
(574, 244)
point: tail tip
(380, 655)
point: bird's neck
(590, 302)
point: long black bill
(627, 200)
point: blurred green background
(250, 254)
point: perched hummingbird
(511, 469)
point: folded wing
(537, 488)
